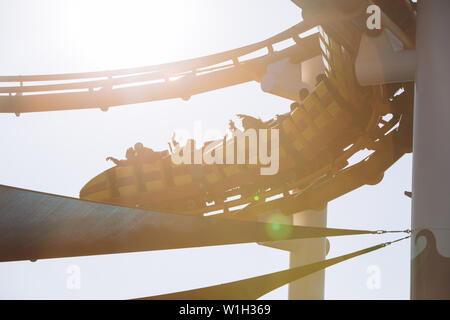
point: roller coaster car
(337, 119)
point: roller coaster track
(182, 79)
(103, 89)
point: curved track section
(104, 89)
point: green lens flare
(256, 198)
(278, 226)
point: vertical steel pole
(304, 251)
(430, 266)
(311, 287)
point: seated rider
(303, 94)
(146, 155)
(320, 77)
(281, 117)
(249, 122)
(294, 106)
(130, 158)
(232, 126)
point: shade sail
(36, 225)
(253, 288)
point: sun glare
(117, 34)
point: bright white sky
(59, 152)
